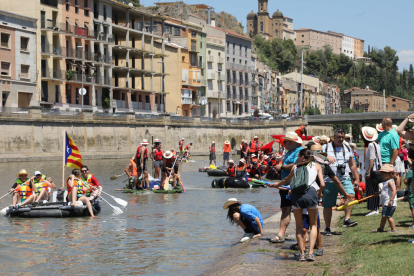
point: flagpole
(63, 163)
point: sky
(379, 22)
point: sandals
(378, 230)
(301, 258)
(310, 257)
(279, 240)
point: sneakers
(372, 213)
(349, 223)
(319, 252)
(328, 231)
(246, 237)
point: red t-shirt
(364, 190)
(95, 182)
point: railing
(77, 77)
(213, 94)
(74, 53)
(228, 96)
(247, 83)
(210, 58)
(147, 106)
(235, 97)
(53, 50)
(102, 58)
(103, 80)
(211, 76)
(220, 60)
(120, 104)
(214, 40)
(229, 79)
(53, 74)
(186, 100)
(54, 26)
(80, 31)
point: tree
(312, 111)
(410, 78)
(136, 3)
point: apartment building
(313, 40)
(364, 100)
(18, 54)
(393, 104)
(238, 74)
(290, 104)
(332, 98)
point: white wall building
(348, 46)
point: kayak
(153, 189)
(216, 172)
(233, 182)
(53, 210)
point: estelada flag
(72, 155)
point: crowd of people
(328, 167)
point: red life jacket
(253, 171)
(180, 145)
(139, 153)
(187, 147)
(253, 146)
(232, 171)
(158, 155)
(244, 147)
(213, 149)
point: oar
(11, 192)
(264, 182)
(118, 200)
(117, 210)
(116, 176)
(213, 167)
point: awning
(90, 65)
(67, 20)
(71, 63)
(87, 25)
(77, 23)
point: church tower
(263, 19)
(263, 6)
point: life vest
(231, 171)
(253, 146)
(180, 145)
(88, 182)
(254, 160)
(187, 147)
(241, 171)
(243, 147)
(253, 171)
(158, 155)
(134, 167)
(78, 183)
(139, 153)
(213, 149)
(227, 148)
(40, 185)
(170, 162)
(24, 190)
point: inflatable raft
(216, 172)
(154, 188)
(53, 210)
(206, 169)
(233, 182)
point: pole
(383, 100)
(162, 85)
(301, 86)
(82, 77)
(63, 163)
(219, 92)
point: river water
(174, 234)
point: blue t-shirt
(250, 213)
(290, 158)
(388, 141)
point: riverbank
(259, 257)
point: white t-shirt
(371, 154)
(386, 193)
(342, 157)
(312, 175)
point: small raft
(216, 172)
(233, 182)
(53, 210)
(154, 188)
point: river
(174, 234)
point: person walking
(212, 150)
(372, 164)
(226, 151)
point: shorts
(249, 226)
(284, 202)
(399, 166)
(212, 156)
(308, 200)
(226, 156)
(165, 169)
(158, 163)
(331, 192)
(306, 221)
(411, 202)
(387, 212)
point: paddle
(355, 202)
(118, 200)
(116, 176)
(264, 182)
(117, 210)
(166, 185)
(213, 167)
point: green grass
(369, 253)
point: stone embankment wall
(25, 137)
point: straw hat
(231, 161)
(353, 146)
(182, 139)
(256, 137)
(156, 140)
(229, 202)
(213, 142)
(379, 128)
(369, 133)
(326, 138)
(348, 136)
(144, 142)
(22, 172)
(227, 142)
(316, 139)
(387, 168)
(318, 149)
(293, 136)
(168, 154)
(37, 173)
(242, 160)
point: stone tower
(252, 24)
(263, 24)
(262, 6)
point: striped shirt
(339, 154)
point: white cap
(37, 173)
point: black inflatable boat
(216, 172)
(53, 210)
(233, 182)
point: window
(393, 100)
(193, 34)
(201, 44)
(24, 44)
(303, 41)
(5, 40)
(177, 31)
(261, 26)
(303, 35)
(104, 12)
(77, 6)
(276, 32)
(67, 6)
(182, 59)
(5, 69)
(394, 105)
(24, 71)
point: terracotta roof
(398, 98)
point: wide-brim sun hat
(229, 202)
(348, 136)
(168, 154)
(326, 138)
(242, 160)
(213, 142)
(318, 149)
(293, 136)
(265, 157)
(144, 142)
(387, 168)
(227, 142)
(22, 172)
(182, 138)
(370, 134)
(316, 139)
(379, 128)
(156, 140)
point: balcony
(104, 80)
(210, 58)
(77, 77)
(74, 53)
(52, 3)
(217, 41)
(102, 58)
(186, 100)
(211, 76)
(235, 97)
(220, 60)
(51, 25)
(77, 31)
(53, 74)
(49, 49)
(215, 95)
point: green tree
(136, 3)
(312, 111)
(411, 78)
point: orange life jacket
(227, 148)
(254, 160)
(134, 167)
(78, 183)
(253, 146)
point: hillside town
(108, 56)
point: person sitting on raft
(241, 171)
(246, 216)
(253, 158)
(231, 169)
(76, 190)
(42, 185)
(90, 182)
(255, 171)
(131, 171)
(22, 190)
(272, 166)
(167, 167)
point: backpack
(299, 183)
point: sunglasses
(84, 170)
